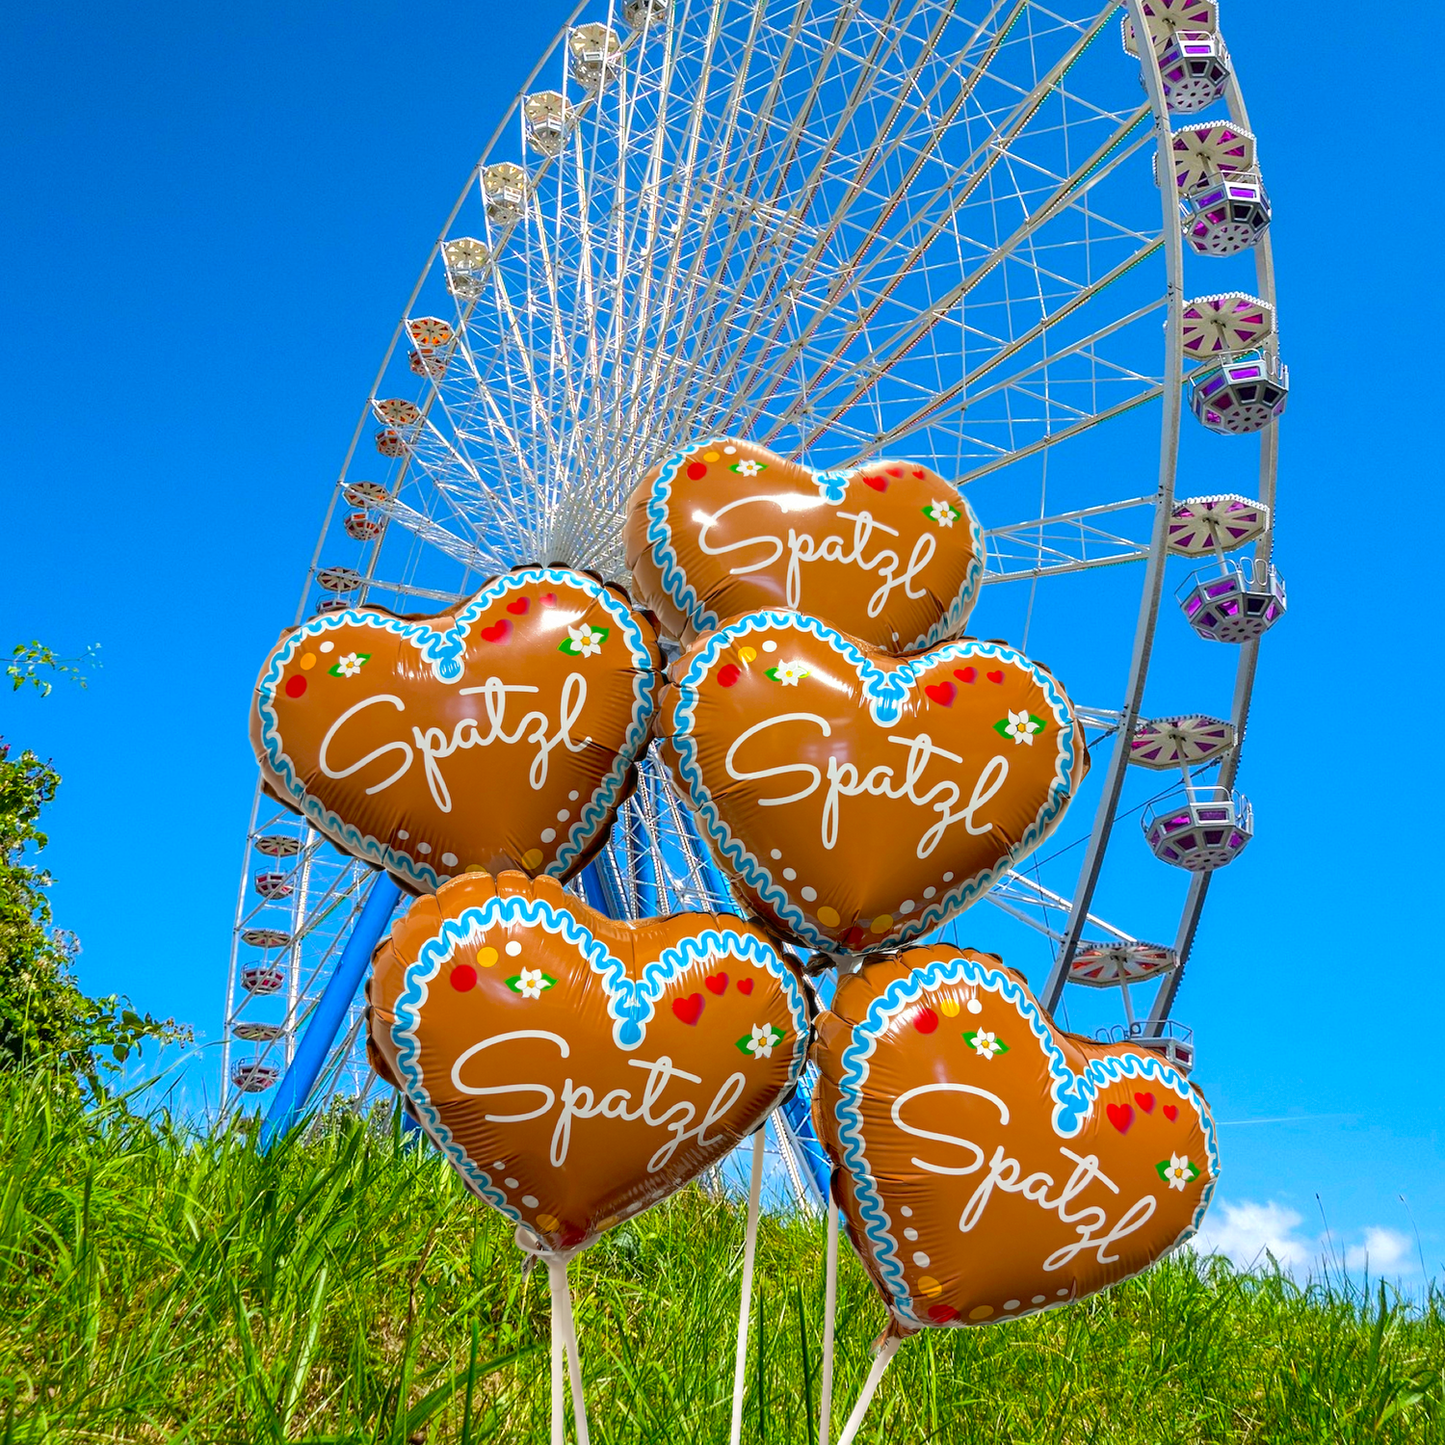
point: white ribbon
(750, 1246)
(564, 1338)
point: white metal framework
(847, 228)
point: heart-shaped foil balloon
(859, 799)
(574, 1069)
(501, 735)
(888, 552)
(989, 1165)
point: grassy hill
(157, 1285)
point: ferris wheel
(845, 229)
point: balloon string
(750, 1245)
(830, 1311)
(880, 1363)
(564, 1343)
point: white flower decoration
(762, 1046)
(985, 1043)
(747, 467)
(587, 642)
(941, 513)
(349, 665)
(1179, 1172)
(789, 672)
(531, 982)
(1021, 727)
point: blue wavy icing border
(629, 1001)
(1073, 1096)
(834, 488)
(444, 650)
(886, 690)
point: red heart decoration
(560, 993)
(745, 985)
(973, 1162)
(407, 721)
(853, 848)
(728, 675)
(1171, 1112)
(519, 607)
(966, 674)
(716, 982)
(1145, 1102)
(723, 526)
(995, 677)
(548, 599)
(942, 692)
(688, 1009)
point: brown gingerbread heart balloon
(858, 799)
(574, 1069)
(501, 735)
(989, 1165)
(888, 552)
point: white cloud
(1381, 1253)
(1249, 1233)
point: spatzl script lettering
(940, 795)
(433, 744)
(803, 547)
(580, 1101)
(1006, 1175)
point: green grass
(160, 1285)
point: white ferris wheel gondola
(845, 230)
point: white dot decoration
(907, 906)
(776, 854)
(423, 848)
(548, 834)
(1062, 1293)
(906, 1212)
(1039, 1299)
(513, 949)
(929, 892)
(449, 860)
(328, 646)
(910, 1234)
(974, 1007)
(402, 834)
(730, 450)
(510, 1183)
(790, 874)
(562, 815)
(500, 1164)
(529, 1201)
(948, 877)
(1008, 1304)
(922, 1260)
(769, 645)
(809, 894)
(574, 795)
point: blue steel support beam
(326, 1019)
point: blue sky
(219, 215)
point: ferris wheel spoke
(1069, 542)
(950, 194)
(913, 333)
